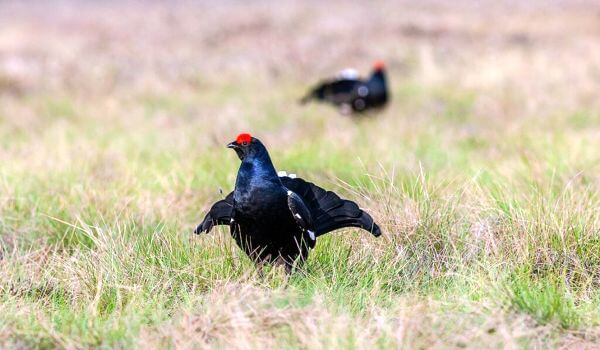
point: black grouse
(351, 94)
(277, 219)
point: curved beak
(233, 145)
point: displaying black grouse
(351, 94)
(278, 218)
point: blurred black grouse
(351, 94)
(278, 218)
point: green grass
(547, 301)
(110, 260)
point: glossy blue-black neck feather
(256, 177)
(377, 85)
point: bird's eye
(245, 143)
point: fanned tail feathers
(330, 212)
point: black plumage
(350, 93)
(278, 218)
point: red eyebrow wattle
(243, 138)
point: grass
(482, 172)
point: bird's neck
(256, 172)
(377, 83)
(378, 75)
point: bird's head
(378, 66)
(246, 146)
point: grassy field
(483, 172)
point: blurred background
(192, 62)
(474, 85)
(191, 75)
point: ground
(483, 172)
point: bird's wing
(302, 215)
(342, 90)
(328, 211)
(337, 91)
(219, 214)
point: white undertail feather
(283, 173)
(348, 73)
